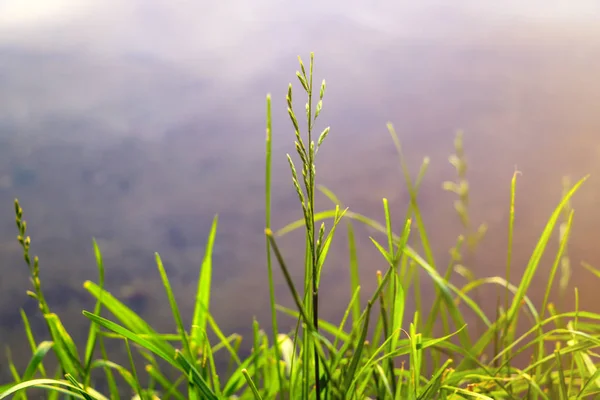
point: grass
(380, 350)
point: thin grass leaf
(166, 352)
(322, 256)
(93, 333)
(49, 384)
(195, 377)
(203, 293)
(31, 340)
(434, 383)
(466, 393)
(78, 387)
(539, 250)
(38, 356)
(397, 309)
(288, 278)
(216, 383)
(136, 385)
(561, 381)
(356, 357)
(64, 347)
(128, 318)
(11, 366)
(236, 380)
(369, 363)
(251, 384)
(586, 389)
(125, 374)
(174, 307)
(340, 334)
(593, 270)
(353, 256)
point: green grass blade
(136, 387)
(127, 317)
(78, 387)
(593, 270)
(64, 347)
(466, 393)
(340, 334)
(354, 275)
(174, 307)
(12, 367)
(561, 377)
(216, 384)
(166, 351)
(125, 374)
(224, 341)
(353, 256)
(110, 379)
(251, 385)
(397, 309)
(31, 340)
(196, 378)
(511, 228)
(203, 293)
(288, 278)
(434, 383)
(322, 256)
(38, 356)
(272, 302)
(50, 384)
(236, 380)
(538, 251)
(356, 357)
(92, 336)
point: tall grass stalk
(268, 163)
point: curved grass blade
(466, 393)
(78, 387)
(127, 317)
(45, 383)
(166, 352)
(38, 356)
(125, 374)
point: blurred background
(136, 121)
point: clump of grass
(379, 350)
